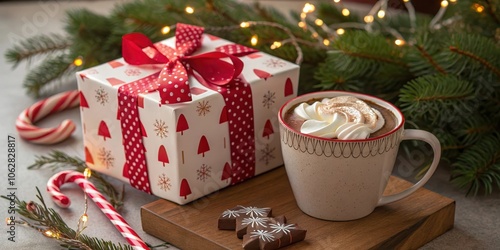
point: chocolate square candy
(227, 220)
(273, 235)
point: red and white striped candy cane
(56, 181)
(39, 110)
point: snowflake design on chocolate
(269, 99)
(101, 96)
(105, 157)
(164, 182)
(203, 108)
(132, 72)
(231, 213)
(161, 128)
(262, 235)
(203, 172)
(255, 221)
(281, 227)
(254, 211)
(274, 63)
(267, 154)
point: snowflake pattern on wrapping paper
(203, 108)
(105, 157)
(275, 63)
(92, 72)
(204, 172)
(269, 99)
(262, 234)
(101, 96)
(267, 154)
(254, 221)
(132, 72)
(164, 182)
(161, 128)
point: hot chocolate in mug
(344, 179)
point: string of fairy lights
(378, 11)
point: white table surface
(477, 220)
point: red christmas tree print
(226, 172)
(103, 130)
(288, 87)
(83, 76)
(118, 113)
(125, 171)
(262, 74)
(162, 155)
(185, 189)
(83, 101)
(268, 129)
(88, 156)
(182, 124)
(223, 115)
(203, 146)
(140, 101)
(143, 130)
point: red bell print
(226, 172)
(203, 146)
(268, 129)
(185, 189)
(103, 130)
(288, 87)
(125, 171)
(262, 74)
(83, 101)
(88, 157)
(182, 124)
(162, 155)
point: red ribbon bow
(173, 84)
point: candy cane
(62, 200)
(39, 110)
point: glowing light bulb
(318, 22)
(48, 233)
(453, 1)
(84, 218)
(444, 3)
(87, 173)
(245, 24)
(8, 220)
(381, 14)
(336, 1)
(189, 10)
(368, 19)
(308, 8)
(276, 45)
(302, 24)
(254, 40)
(478, 8)
(165, 30)
(315, 35)
(326, 42)
(340, 31)
(406, 1)
(78, 61)
(345, 12)
(303, 15)
(399, 42)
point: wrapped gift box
(192, 148)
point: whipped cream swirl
(342, 117)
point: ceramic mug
(343, 180)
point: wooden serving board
(405, 224)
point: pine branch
(57, 160)
(36, 46)
(439, 98)
(479, 166)
(50, 224)
(52, 69)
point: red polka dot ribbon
(173, 87)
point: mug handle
(416, 134)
